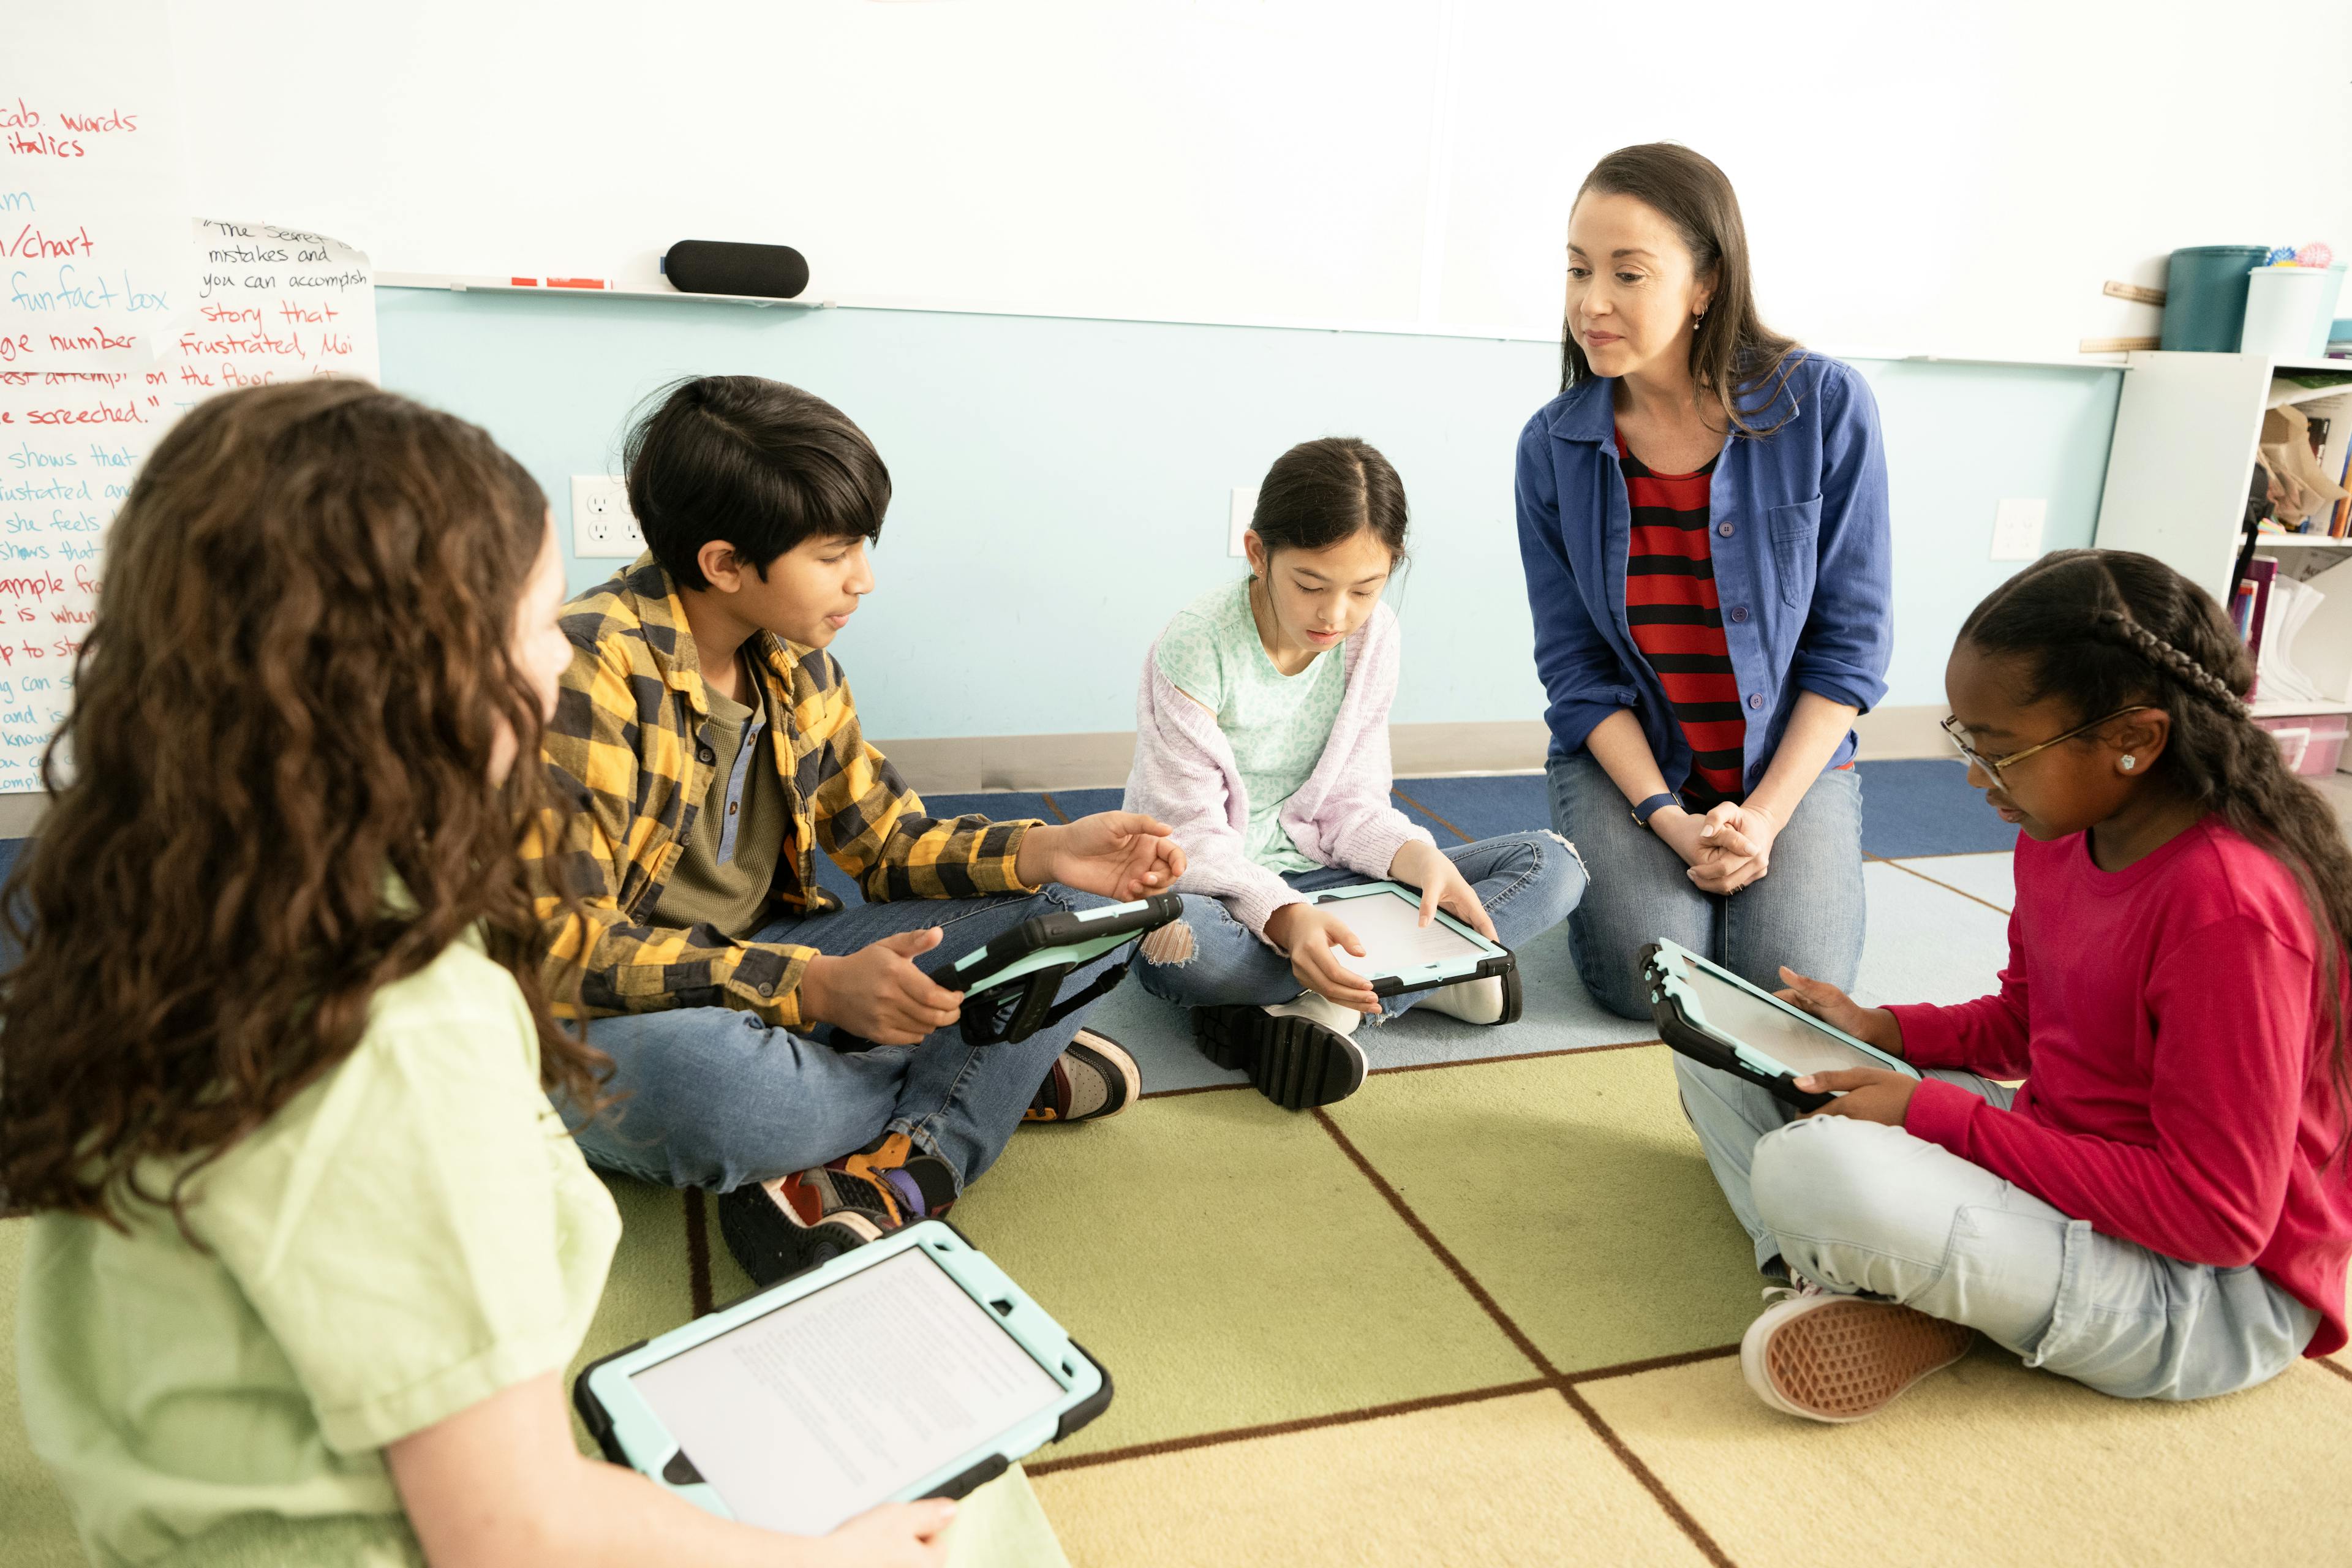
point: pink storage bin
(2311, 743)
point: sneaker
(1495, 1000)
(922, 1186)
(1840, 1358)
(1299, 1053)
(776, 1229)
(1094, 1077)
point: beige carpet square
(1231, 1266)
(1989, 1463)
(1514, 1481)
(1571, 1188)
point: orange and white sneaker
(1842, 1358)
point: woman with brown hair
(1703, 520)
(311, 1248)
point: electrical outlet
(601, 521)
(1237, 522)
(2017, 529)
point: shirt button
(1738, 614)
(1724, 528)
(707, 754)
(730, 809)
(1756, 700)
(766, 990)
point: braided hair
(2105, 629)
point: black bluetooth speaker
(723, 267)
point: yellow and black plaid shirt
(628, 743)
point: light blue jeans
(1806, 911)
(716, 1098)
(1861, 1208)
(1526, 881)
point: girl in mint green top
(1262, 741)
(310, 1249)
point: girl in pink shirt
(2162, 1208)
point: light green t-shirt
(405, 1237)
(1277, 724)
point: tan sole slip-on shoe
(1843, 1358)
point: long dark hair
(2104, 629)
(292, 691)
(1734, 357)
(1322, 492)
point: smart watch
(1645, 809)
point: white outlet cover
(2017, 529)
(1237, 522)
(603, 528)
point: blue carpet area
(1911, 807)
(1923, 805)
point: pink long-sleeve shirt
(2170, 1024)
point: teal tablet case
(1681, 1017)
(630, 1434)
(1492, 958)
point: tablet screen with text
(819, 1410)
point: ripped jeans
(1858, 1207)
(1527, 883)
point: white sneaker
(1472, 1001)
(1842, 1358)
(1316, 1008)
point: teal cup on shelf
(2205, 297)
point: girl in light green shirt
(312, 1250)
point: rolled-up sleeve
(1849, 633)
(1584, 680)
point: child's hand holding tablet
(1868, 1094)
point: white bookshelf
(2183, 459)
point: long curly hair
(2104, 629)
(294, 690)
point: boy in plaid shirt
(715, 752)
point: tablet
(910, 1367)
(1011, 981)
(1401, 954)
(1712, 1016)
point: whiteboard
(1957, 180)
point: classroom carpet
(1486, 1311)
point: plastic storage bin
(2205, 296)
(2311, 743)
(2287, 311)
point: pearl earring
(2130, 763)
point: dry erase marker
(563, 283)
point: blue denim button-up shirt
(1802, 566)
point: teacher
(1702, 522)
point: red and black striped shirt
(1671, 609)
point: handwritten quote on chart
(261, 303)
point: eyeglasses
(1992, 765)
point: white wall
(1957, 179)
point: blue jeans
(1858, 1207)
(716, 1098)
(1805, 912)
(1526, 881)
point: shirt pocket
(1795, 530)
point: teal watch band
(1645, 809)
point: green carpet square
(1231, 1266)
(1991, 1463)
(1572, 1189)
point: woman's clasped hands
(1728, 848)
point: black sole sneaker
(1294, 1062)
(769, 1241)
